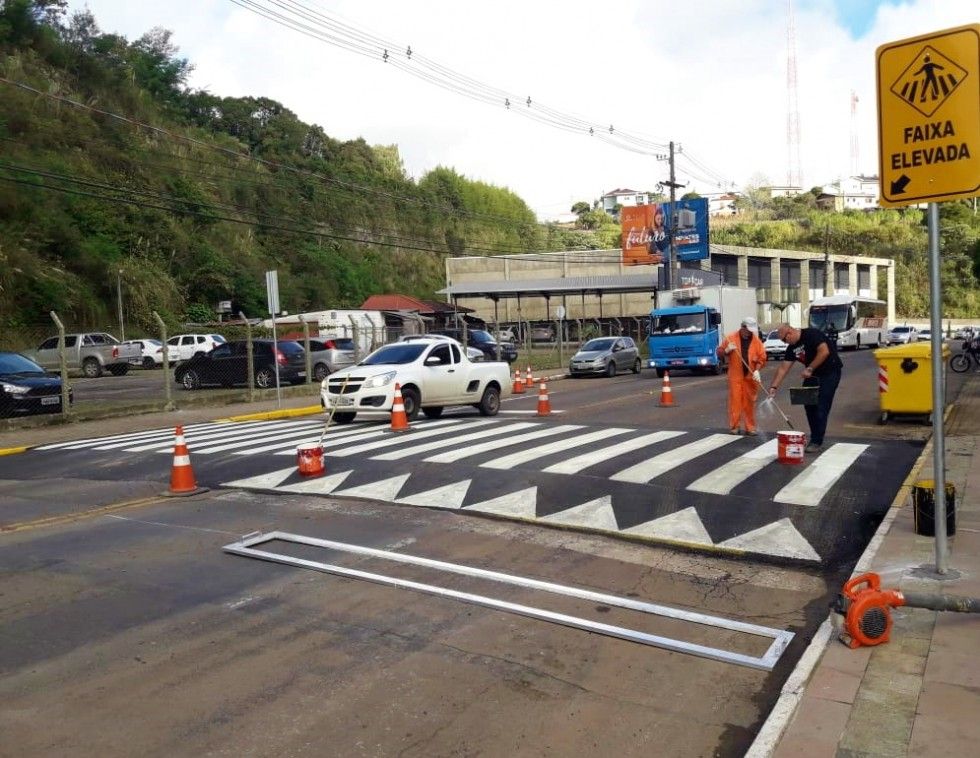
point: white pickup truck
(433, 373)
(91, 352)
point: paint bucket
(790, 447)
(309, 459)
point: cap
(750, 323)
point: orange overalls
(742, 388)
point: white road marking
(163, 439)
(596, 514)
(333, 437)
(541, 451)
(465, 452)
(725, 478)
(135, 436)
(411, 449)
(576, 464)
(779, 538)
(395, 439)
(522, 504)
(263, 481)
(810, 486)
(386, 489)
(240, 440)
(321, 485)
(448, 496)
(684, 526)
(648, 470)
(531, 412)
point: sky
(711, 77)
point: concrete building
(853, 193)
(623, 198)
(600, 286)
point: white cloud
(711, 76)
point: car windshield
(598, 345)
(773, 335)
(480, 336)
(14, 363)
(824, 316)
(685, 323)
(218, 338)
(902, 329)
(344, 344)
(400, 353)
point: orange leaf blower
(867, 608)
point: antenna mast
(794, 177)
(855, 153)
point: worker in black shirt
(822, 368)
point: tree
(690, 196)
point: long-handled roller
(770, 400)
(333, 409)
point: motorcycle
(970, 356)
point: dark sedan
(27, 388)
(227, 365)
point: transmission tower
(794, 176)
(855, 153)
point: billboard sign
(646, 233)
(690, 222)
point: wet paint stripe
(810, 486)
(593, 457)
(533, 453)
(466, 452)
(426, 447)
(649, 470)
(725, 478)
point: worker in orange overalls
(746, 356)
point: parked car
(27, 388)
(774, 346)
(433, 374)
(472, 353)
(483, 341)
(182, 347)
(152, 353)
(330, 354)
(92, 352)
(606, 355)
(902, 335)
(227, 365)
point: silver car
(606, 355)
(330, 354)
(903, 335)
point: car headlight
(14, 389)
(380, 380)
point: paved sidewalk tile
(948, 724)
(817, 729)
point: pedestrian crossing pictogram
(928, 80)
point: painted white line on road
(584, 461)
(541, 451)
(410, 449)
(648, 470)
(249, 441)
(386, 489)
(448, 496)
(465, 452)
(224, 432)
(334, 436)
(683, 526)
(521, 504)
(810, 486)
(134, 436)
(395, 439)
(725, 478)
(779, 538)
(595, 514)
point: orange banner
(644, 234)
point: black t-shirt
(805, 351)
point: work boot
(752, 433)
(734, 430)
(813, 448)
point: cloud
(711, 77)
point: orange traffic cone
(518, 383)
(529, 380)
(182, 482)
(544, 404)
(666, 397)
(399, 421)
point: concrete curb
(791, 695)
(308, 410)
(13, 450)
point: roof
(588, 285)
(622, 192)
(396, 302)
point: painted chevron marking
(650, 469)
(810, 486)
(541, 451)
(521, 504)
(321, 485)
(448, 496)
(425, 447)
(595, 514)
(465, 452)
(263, 481)
(684, 526)
(725, 478)
(580, 462)
(779, 538)
(386, 489)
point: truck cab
(684, 337)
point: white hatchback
(183, 347)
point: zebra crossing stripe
(396, 440)
(541, 451)
(465, 452)
(809, 487)
(648, 470)
(89, 441)
(248, 441)
(584, 461)
(287, 439)
(425, 447)
(163, 440)
(352, 437)
(200, 443)
(725, 478)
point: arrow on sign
(899, 185)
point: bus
(859, 321)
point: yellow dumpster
(905, 379)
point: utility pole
(828, 275)
(671, 264)
(122, 328)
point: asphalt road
(122, 609)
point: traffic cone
(399, 421)
(182, 482)
(529, 381)
(518, 383)
(666, 397)
(544, 404)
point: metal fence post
(306, 347)
(62, 364)
(167, 388)
(355, 333)
(249, 357)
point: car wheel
(149, 363)
(344, 417)
(321, 372)
(265, 378)
(411, 399)
(490, 402)
(190, 380)
(611, 368)
(92, 368)
(637, 366)
(433, 412)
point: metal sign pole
(938, 401)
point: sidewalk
(919, 694)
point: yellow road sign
(929, 117)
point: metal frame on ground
(780, 638)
